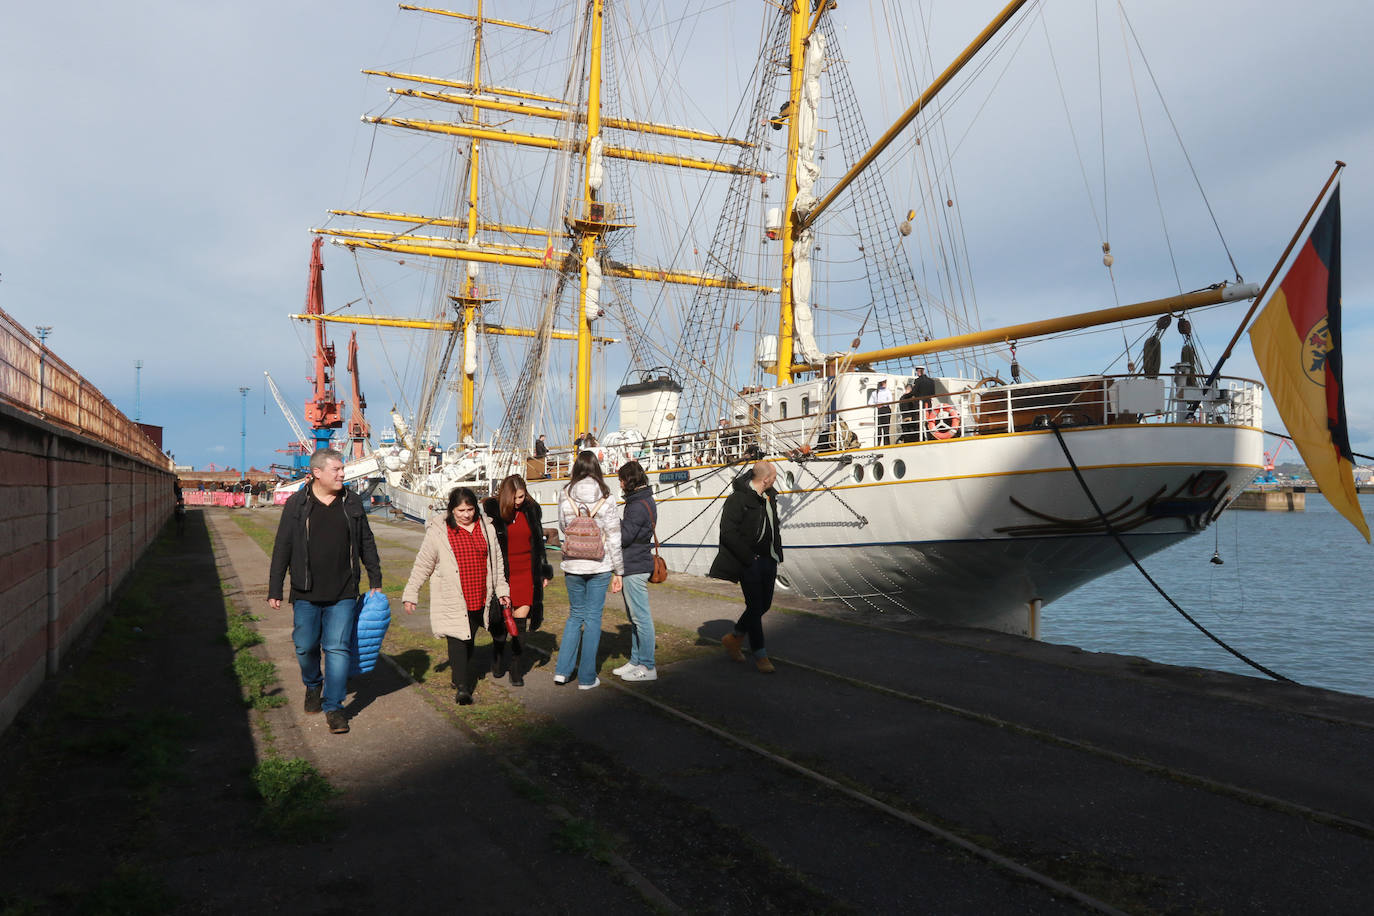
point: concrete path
(427, 813)
(1159, 788)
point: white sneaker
(595, 683)
(640, 673)
(620, 672)
(560, 679)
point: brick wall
(75, 516)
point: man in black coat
(324, 539)
(750, 551)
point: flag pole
(1292, 243)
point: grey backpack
(582, 538)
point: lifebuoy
(942, 422)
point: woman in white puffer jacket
(587, 580)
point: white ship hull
(981, 524)
(417, 507)
(977, 532)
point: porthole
(878, 471)
(696, 488)
(899, 469)
(791, 480)
(858, 473)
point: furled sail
(805, 348)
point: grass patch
(583, 838)
(241, 635)
(256, 676)
(295, 795)
(152, 746)
(129, 889)
(262, 535)
(295, 798)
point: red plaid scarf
(470, 550)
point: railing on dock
(34, 379)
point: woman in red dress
(518, 521)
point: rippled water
(1296, 594)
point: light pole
(43, 331)
(138, 390)
(243, 435)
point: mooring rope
(1148, 578)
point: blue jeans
(327, 627)
(586, 600)
(636, 594)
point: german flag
(1297, 343)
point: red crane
(322, 413)
(359, 430)
(1269, 476)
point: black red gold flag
(1297, 343)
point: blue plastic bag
(369, 628)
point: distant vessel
(968, 509)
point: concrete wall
(1277, 499)
(75, 516)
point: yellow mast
(518, 256)
(559, 112)
(1015, 332)
(469, 299)
(916, 107)
(590, 220)
(792, 225)
(422, 324)
(590, 233)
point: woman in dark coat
(637, 519)
(519, 526)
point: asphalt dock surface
(888, 766)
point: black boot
(516, 678)
(498, 658)
(459, 652)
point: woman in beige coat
(461, 553)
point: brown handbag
(660, 573)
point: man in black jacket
(325, 540)
(750, 551)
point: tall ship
(770, 299)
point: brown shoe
(314, 700)
(763, 664)
(337, 721)
(731, 642)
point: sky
(163, 161)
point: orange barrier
(212, 498)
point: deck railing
(972, 411)
(35, 380)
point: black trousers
(460, 652)
(757, 583)
(884, 424)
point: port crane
(1269, 457)
(359, 430)
(300, 449)
(322, 410)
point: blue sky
(164, 160)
